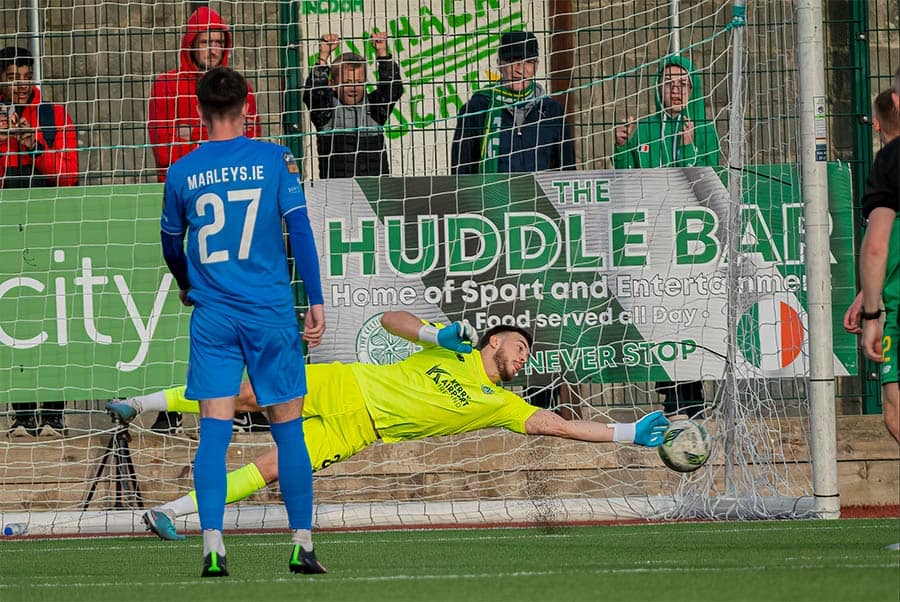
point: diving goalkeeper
(447, 388)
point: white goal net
(646, 288)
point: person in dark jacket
(513, 126)
(349, 122)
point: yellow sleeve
(514, 413)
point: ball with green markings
(685, 446)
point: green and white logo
(375, 345)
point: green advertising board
(621, 275)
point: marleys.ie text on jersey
(223, 175)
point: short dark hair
(222, 91)
(886, 113)
(500, 329)
(15, 55)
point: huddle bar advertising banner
(621, 275)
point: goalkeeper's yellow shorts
(336, 424)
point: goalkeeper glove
(649, 431)
(459, 336)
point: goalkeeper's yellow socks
(177, 402)
(240, 484)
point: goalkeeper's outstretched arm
(648, 431)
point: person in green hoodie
(678, 134)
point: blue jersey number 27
(214, 202)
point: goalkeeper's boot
(214, 565)
(121, 412)
(161, 523)
(305, 562)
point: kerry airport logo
(375, 345)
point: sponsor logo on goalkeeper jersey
(448, 385)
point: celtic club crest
(375, 345)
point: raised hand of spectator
(24, 132)
(378, 40)
(687, 132)
(328, 43)
(624, 131)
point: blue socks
(209, 471)
(294, 472)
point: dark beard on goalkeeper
(506, 368)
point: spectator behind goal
(350, 140)
(39, 149)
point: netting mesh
(600, 60)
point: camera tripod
(116, 462)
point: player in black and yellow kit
(447, 388)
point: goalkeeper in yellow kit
(447, 388)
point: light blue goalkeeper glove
(649, 431)
(459, 336)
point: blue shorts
(222, 344)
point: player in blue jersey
(229, 197)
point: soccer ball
(685, 446)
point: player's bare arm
(872, 265)
(648, 431)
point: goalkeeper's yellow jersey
(437, 392)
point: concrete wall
(491, 464)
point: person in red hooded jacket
(175, 130)
(37, 148)
(173, 121)
(15, 164)
(42, 146)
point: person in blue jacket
(513, 126)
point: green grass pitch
(772, 560)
